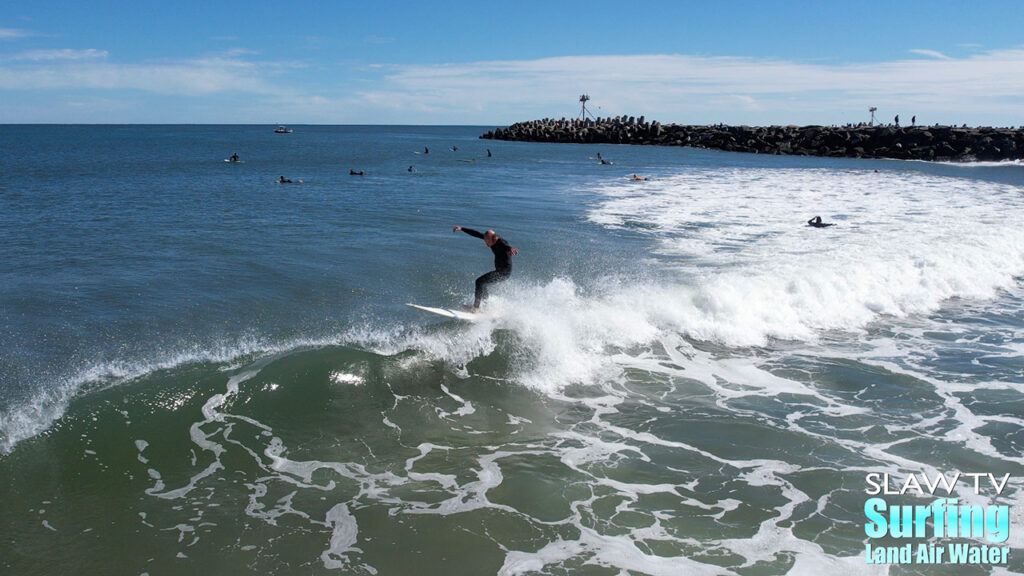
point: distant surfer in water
(817, 223)
(234, 157)
(284, 180)
(502, 263)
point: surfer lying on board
(502, 263)
(817, 223)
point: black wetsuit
(502, 266)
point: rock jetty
(946, 143)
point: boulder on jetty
(947, 143)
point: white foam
(753, 270)
(746, 270)
(344, 534)
(985, 164)
(603, 550)
(465, 407)
(749, 271)
(345, 378)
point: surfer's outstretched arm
(469, 231)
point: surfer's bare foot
(469, 308)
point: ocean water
(203, 371)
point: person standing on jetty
(502, 263)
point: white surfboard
(448, 312)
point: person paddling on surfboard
(502, 263)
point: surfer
(355, 173)
(502, 262)
(636, 178)
(284, 180)
(234, 157)
(817, 223)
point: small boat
(282, 130)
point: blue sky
(494, 63)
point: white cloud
(983, 88)
(235, 52)
(65, 54)
(930, 53)
(689, 88)
(745, 101)
(14, 33)
(60, 69)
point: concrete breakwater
(855, 141)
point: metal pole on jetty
(583, 107)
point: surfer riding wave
(503, 253)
